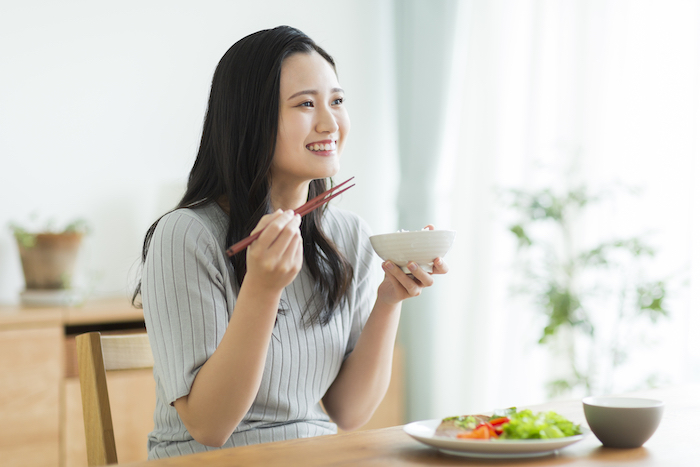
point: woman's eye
(307, 104)
(338, 101)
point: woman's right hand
(229, 380)
(276, 257)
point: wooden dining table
(675, 443)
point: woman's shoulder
(202, 222)
(339, 220)
(351, 234)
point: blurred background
(589, 110)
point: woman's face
(313, 122)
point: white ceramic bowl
(622, 422)
(421, 246)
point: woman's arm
(364, 377)
(226, 385)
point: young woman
(247, 347)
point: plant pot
(48, 264)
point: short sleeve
(366, 279)
(184, 300)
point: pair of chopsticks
(302, 210)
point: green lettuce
(467, 422)
(543, 425)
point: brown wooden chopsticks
(302, 210)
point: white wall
(101, 106)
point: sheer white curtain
(610, 88)
(424, 38)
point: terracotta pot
(49, 263)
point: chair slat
(128, 352)
(98, 354)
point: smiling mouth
(321, 147)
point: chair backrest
(98, 354)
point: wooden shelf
(109, 310)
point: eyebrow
(312, 92)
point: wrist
(387, 307)
(260, 290)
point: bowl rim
(622, 402)
(419, 232)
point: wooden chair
(98, 354)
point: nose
(326, 120)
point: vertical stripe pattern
(189, 296)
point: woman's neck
(281, 197)
(286, 197)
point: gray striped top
(189, 294)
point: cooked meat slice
(451, 426)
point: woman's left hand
(398, 286)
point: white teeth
(321, 146)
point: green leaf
(597, 256)
(650, 300)
(509, 412)
(24, 238)
(558, 387)
(523, 239)
(635, 246)
(560, 304)
(78, 225)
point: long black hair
(235, 157)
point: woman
(246, 348)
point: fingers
(440, 266)
(266, 220)
(279, 232)
(273, 225)
(276, 257)
(394, 281)
(299, 251)
(288, 238)
(420, 275)
(413, 286)
(279, 240)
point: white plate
(424, 431)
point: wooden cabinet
(40, 405)
(30, 395)
(41, 415)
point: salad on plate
(508, 424)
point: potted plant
(597, 300)
(48, 258)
